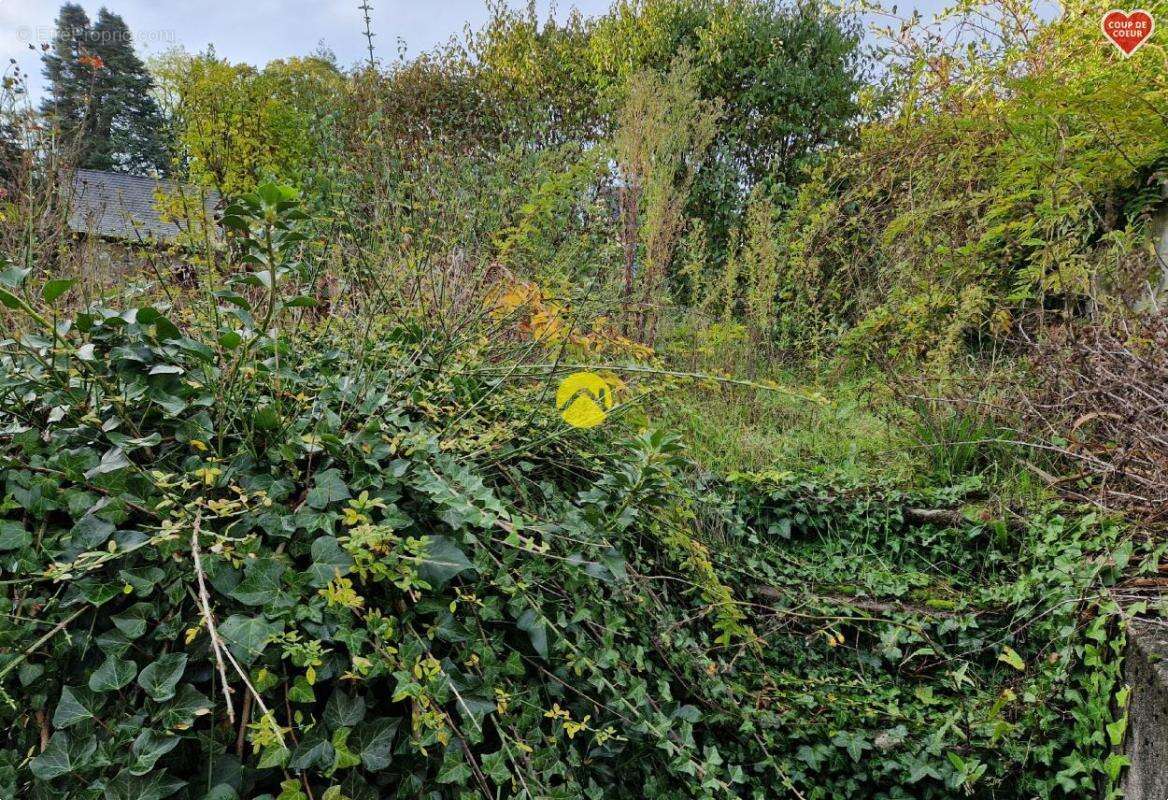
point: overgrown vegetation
(317, 563)
(1008, 185)
(300, 520)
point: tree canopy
(100, 93)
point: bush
(321, 564)
(1005, 177)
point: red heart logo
(1127, 31)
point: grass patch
(850, 433)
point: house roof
(123, 207)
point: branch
(208, 618)
(217, 643)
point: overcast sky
(257, 31)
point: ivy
(376, 594)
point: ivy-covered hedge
(367, 577)
(247, 554)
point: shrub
(254, 564)
(1008, 176)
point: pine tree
(99, 93)
(69, 70)
(129, 118)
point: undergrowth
(351, 558)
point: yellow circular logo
(584, 399)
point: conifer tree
(70, 74)
(128, 118)
(99, 93)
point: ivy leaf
(344, 710)
(70, 710)
(132, 622)
(62, 756)
(180, 713)
(90, 532)
(476, 709)
(373, 741)
(113, 674)
(495, 767)
(112, 642)
(155, 786)
(13, 536)
(329, 560)
(343, 757)
(247, 636)
(160, 678)
(301, 691)
(855, 743)
(261, 583)
(530, 623)
(454, 769)
(313, 752)
(142, 579)
(274, 756)
(1115, 731)
(148, 748)
(112, 460)
(28, 673)
(98, 593)
(442, 562)
(328, 488)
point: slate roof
(118, 206)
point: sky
(257, 31)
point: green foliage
(317, 531)
(100, 93)
(786, 77)
(303, 559)
(236, 126)
(1006, 177)
(541, 75)
(664, 131)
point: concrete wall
(1159, 227)
(1146, 672)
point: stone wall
(1146, 672)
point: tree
(100, 94)
(68, 67)
(128, 116)
(235, 125)
(788, 75)
(539, 75)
